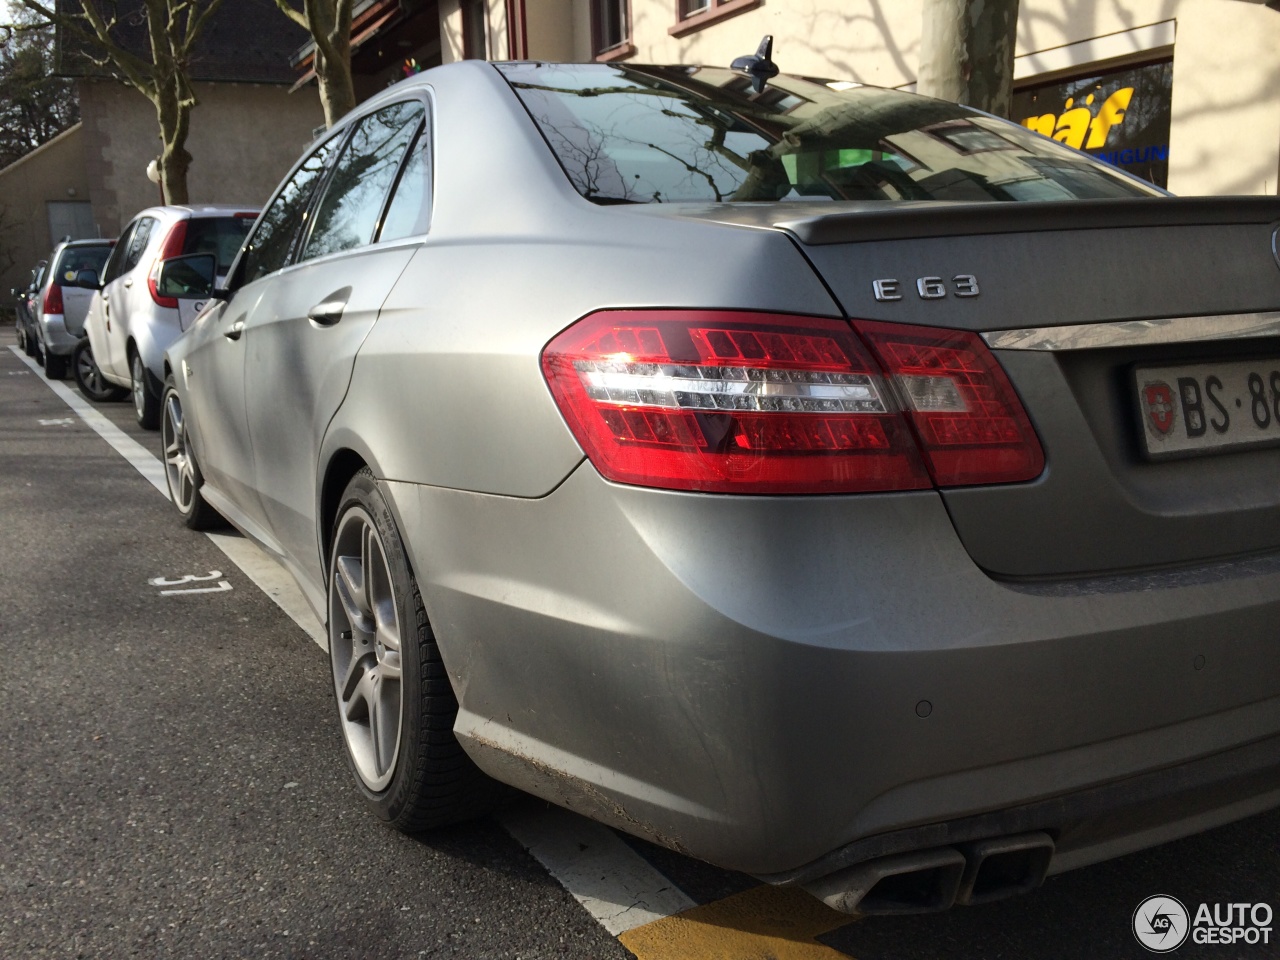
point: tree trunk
(966, 52)
(337, 93)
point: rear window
(670, 134)
(75, 259)
(221, 236)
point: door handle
(234, 331)
(129, 282)
(329, 310)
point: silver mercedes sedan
(834, 484)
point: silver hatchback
(733, 466)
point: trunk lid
(1135, 275)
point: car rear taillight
(730, 402)
(968, 419)
(764, 403)
(172, 247)
(52, 300)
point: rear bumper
(767, 683)
(55, 336)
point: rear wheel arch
(344, 464)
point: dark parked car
(28, 340)
(841, 486)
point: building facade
(1185, 93)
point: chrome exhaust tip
(922, 882)
(1004, 867)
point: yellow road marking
(763, 923)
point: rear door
(1144, 340)
(301, 340)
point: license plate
(1208, 407)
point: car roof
(198, 211)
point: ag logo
(1161, 924)
(1158, 396)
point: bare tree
(173, 27)
(966, 52)
(329, 23)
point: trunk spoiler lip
(925, 219)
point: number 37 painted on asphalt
(222, 586)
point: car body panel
(210, 369)
(310, 366)
(763, 711)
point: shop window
(1119, 116)
(611, 29)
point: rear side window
(348, 214)
(409, 213)
(269, 245)
(221, 236)
(75, 259)
(669, 134)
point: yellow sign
(1078, 123)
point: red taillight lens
(969, 421)
(730, 402)
(52, 300)
(172, 247)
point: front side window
(269, 245)
(362, 177)
(692, 134)
(137, 244)
(113, 268)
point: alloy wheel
(89, 374)
(364, 645)
(139, 387)
(179, 468)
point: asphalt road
(174, 785)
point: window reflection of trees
(353, 200)
(645, 135)
(269, 245)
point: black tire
(146, 402)
(22, 336)
(55, 367)
(29, 345)
(181, 471)
(428, 781)
(89, 378)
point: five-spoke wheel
(396, 706)
(364, 635)
(181, 471)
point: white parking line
(613, 883)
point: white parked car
(130, 324)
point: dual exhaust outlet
(930, 880)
